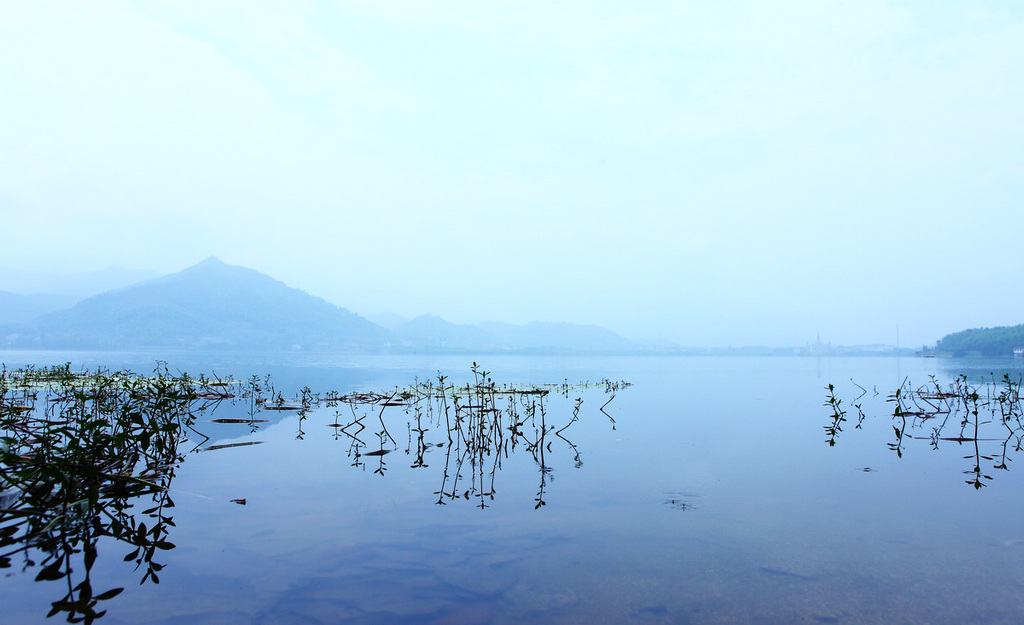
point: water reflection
(81, 455)
(87, 459)
(477, 426)
(984, 418)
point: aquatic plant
(481, 423)
(91, 455)
(838, 415)
(79, 454)
(982, 416)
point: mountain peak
(210, 261)
(210, 305)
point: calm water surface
(713, 499)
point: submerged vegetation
(91, 455)
(987, 419)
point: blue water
(714, 499)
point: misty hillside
(568, 337)
(429, 332)
(19, 309)
(208, 305)
(72, 287)
(999, 341)
(388, 320)
(213, 305)
(435, 334)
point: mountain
(388, 320)
(435, 334)
(560, 337)
(18, 309)
(213, 305)
(208, 305)
(76, 285)
(431, 333)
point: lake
(705, 492)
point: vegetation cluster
(479, 425)
(87, 458)
(80, 453)
(999, 341)
(986, 419)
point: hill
(18, 309)
(213, 305)
(432, 333)
(998, 341)
(560, 337)
(73, 286)
(208, 305)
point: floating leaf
(51, 572)
(110, 594)
(227, 445)
(226, 420)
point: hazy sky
(714, 173)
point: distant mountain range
(77, 285)
(16, 308)
(436, 334)
(213, 305)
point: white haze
(725, 173)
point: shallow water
(714, 499)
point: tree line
(1000, 341)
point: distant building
(818, 348)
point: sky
(709, 173)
